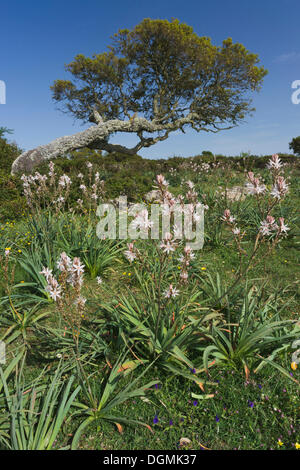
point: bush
(295, 145)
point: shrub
(295, 145)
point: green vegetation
(121, 344)
(295, 145)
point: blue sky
(39, 37)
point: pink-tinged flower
(177, 232)
(89, 165)
(236, 231)
(64, 262)
(280, 188)
(168, 244)
(171, 292)
(77, 268)
(184, 275)
(188, 252)
(160, 179)
(275, 162)
(142, 221)
(130, 254)
(190, 184)
(80, 302)
(282, 227)
(254, 185)
(267, 226)
(46, 272)
(80, 175)
(51, 169)
(227, 217)
(54, 292)
(64, 180)
(53, 288)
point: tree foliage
(155, 79)
(295, 145)
(164, 71)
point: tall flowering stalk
(169, 249)
(66, 293)
(52, 192)
(270, 231)
(92, 190)
(46, 191)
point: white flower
(171, 292)
(280, 188)
(77, 267)
(161, 180)
(282, 227)
(177, 232)
(55, 292)
(274, 163)
(80, 301)
(268, 225)
(99, 280)
(64, 263)
(190, 184)
(141, 220)
(64, 180)
(46, 272)
(167, 246)
(184, 275)
(130, 255)
(255, 188)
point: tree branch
(97, 137)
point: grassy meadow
(147, 344)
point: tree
(5, 130)
(155, 79)
(295, 145)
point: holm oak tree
(158, 78)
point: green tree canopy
(295, 145)
(164, 71)
(155, 79)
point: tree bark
(97, 137)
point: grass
(235, 410)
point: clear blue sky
(39, 37)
